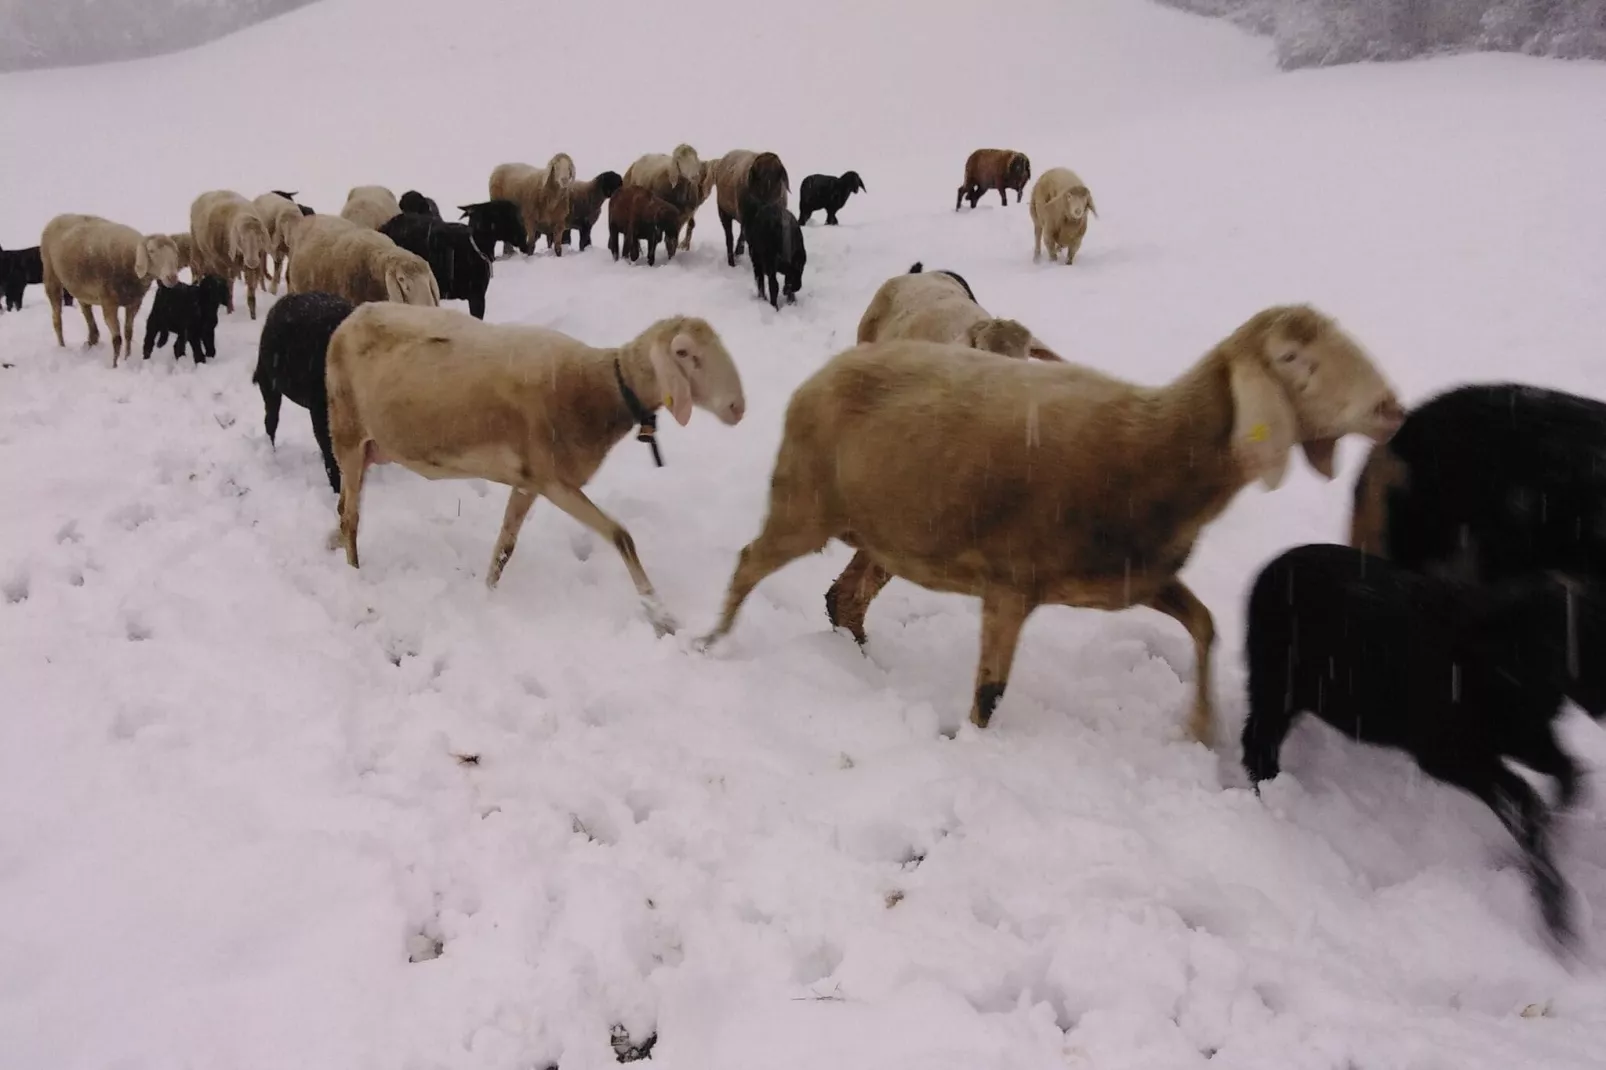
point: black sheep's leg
(1271, 714)
(1003, 195)
(741, 237)
(150, 334)
(180, 336)
(271, 399)
(320, 431)
(830, 218)
(730, 247)
(758, 277)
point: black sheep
(775, 245)
(290, 363)
(495, 221)
(1489, 481)
(415, 202)
(827, 193)
(1460, 676)
(19, 269)
(188, 311)
(461, 270)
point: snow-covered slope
(231, 807)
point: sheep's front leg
(89, 319)
(252, 280)
(1003, 615)
(730, 247)
(114, 327)
(518, 507)
(849, 596)
(1176, 601)
(1037, 240)
(573, 501)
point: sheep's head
(1298, 378)
(694, 368)
(766, 179)
(409, 281)
(608, 183)
(852, 183)
(560, 169)
(248, 240)
(1078, 200)
(156, 257)
(1008, 338)
(1019, 169)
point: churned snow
(242, 824)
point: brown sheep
(637, 215)
(999, 169)
(586, 198)
(938, 306)
(1059, 208)
(231, 240)
(1049, 484)
(679, 178)
(542, 195)
(338, 256)
(370, 206)
(103, 263)
(449, 397)
(281, 215)
(750, 179)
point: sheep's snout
(731, 412)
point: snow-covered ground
(231, 807)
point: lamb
(495, 221)
(940, 307)
(337, 256)
(188, 311)
(106, 264)
(999, 169)
(20, 269)
(230, 239)
(370, 206)
(637, 215)
(418, 204)
(827, 193)
(281, 215)
(542, 195)
(1038, 483)
(290, 364)
(1059, 208)
(746, 178)
(461, 271)
(679, 178)
(1489, 481)
(775, 244)
(449, 397)
(1458, 676)
(586, 199)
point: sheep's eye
(1288, 358)
(681, 352)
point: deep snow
(233, 806)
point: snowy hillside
(231, 771)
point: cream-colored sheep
(1030, 483)
(103, 263)
(1060, 206)
(450, 397)
(231, 240)
(542, 194)
(186, 253)
(938, 306)
(281, 215)
(370, 206)
(341, 257)
(679, 178)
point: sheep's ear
(674, 385)
(1263, 422)
(393, 287)
(1036, 348)
(142, 261)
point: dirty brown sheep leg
(89, 319)
(1003, 614)
(849, 597)
(1176, 601)
(518, 506)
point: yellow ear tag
(1258, 433)
(669, 402)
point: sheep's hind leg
(53, 294)
(1176, 601)
(518, 507)
(353, 467)
(574, 502)
(771, 551)
(1003, 615)
(89, 320)
(850, 594)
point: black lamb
(188, 312)
(290, 363)
(415, 202)
(775, 246)
(827, 193)
(495, 221)
(1460, 676)
(1489, 481)
(461, 270)
(19, 269)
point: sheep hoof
(663, 623)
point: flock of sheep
(1462, 616)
